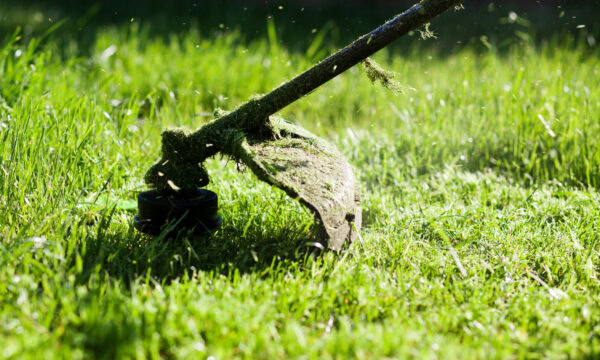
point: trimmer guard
(313, 171)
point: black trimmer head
(192, 210)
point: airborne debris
(377, 74)
(427, 33)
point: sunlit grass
(480, 202)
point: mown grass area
(482, 217)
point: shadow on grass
(297, 25)
(104, 339)
(131, 255)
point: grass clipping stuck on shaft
(377, 74)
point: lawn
(480, 181)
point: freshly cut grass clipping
(377, 74)
(427, 33)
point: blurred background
(298, 22)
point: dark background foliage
(296, 21)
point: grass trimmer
(282, 154)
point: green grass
(480, 192)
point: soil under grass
(481, 208)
